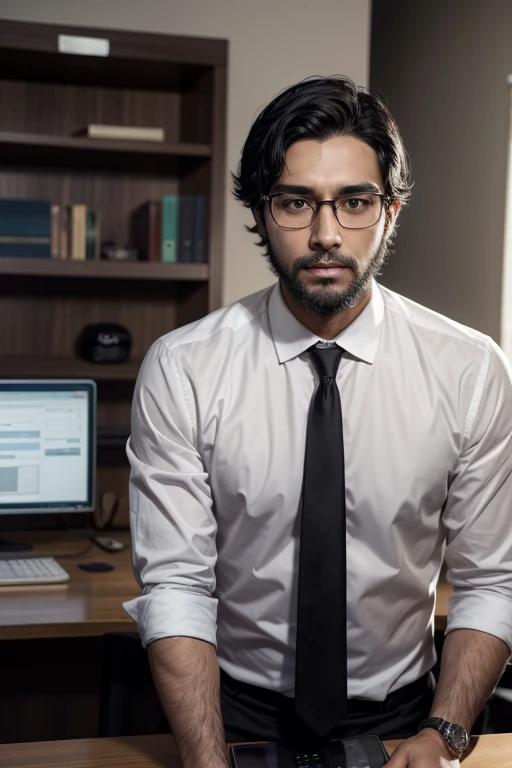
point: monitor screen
(47, 446)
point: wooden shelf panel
(10, 140)
(22, 367)
(104, 270)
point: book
(25, 217)
(126, 132)
(187, 204)
(12, 247)
(24, 228)
(55, 231)
(170, 213)
(77, 221)
(146, 230)
(201, 229)
(64, 233)
(92, 236)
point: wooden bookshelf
(9, 142)
(67, 368)
(46, 97)
(104, 270)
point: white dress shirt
(217, 455)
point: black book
(186, 228)
(201, 229)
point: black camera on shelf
(104, 343)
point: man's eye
(356, 203)
(296, 204)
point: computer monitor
(47, 446)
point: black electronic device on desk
(360, 752)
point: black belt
(354, 706)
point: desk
(160, 752)
(91, 603)
(52, 648)
(51, 654)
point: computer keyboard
(36, 570)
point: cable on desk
(80, 535)
(77, 554)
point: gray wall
(272, 44)
(443, 68)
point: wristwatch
(455, 736)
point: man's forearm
(186, 675)
(471, 665)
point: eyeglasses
(356, 211)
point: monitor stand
(14, 546)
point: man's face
(327, 268)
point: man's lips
(327, 270)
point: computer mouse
(96, 567)
(108, 544)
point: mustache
(337, 260)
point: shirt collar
(360, 339)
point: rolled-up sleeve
(478, 510)
(171, 511)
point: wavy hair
(320, 108)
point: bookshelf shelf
(109, 270)
(45, 148)
(24, 367)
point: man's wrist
(434, 737)
(454, 736)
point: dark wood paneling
(41, 318)
(197, 109)
(61, 110)
(217, 205)
(192, 304)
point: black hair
(320, 108)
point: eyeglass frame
(384, 200)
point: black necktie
(321, 660)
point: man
(300, 457)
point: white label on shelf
(84, 46)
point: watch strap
(446, 728)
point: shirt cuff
(168, 612)
(483, 610)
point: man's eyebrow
(301, 189)
(353, 189)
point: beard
(318, 299)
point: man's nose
(326, 231)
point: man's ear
(260, 223)
(392, 211)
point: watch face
(457, 737)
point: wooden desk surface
(90, 604)
(160, 752)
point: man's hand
(427, 749)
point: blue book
(24, 218)
(25, 250)
(201, 229)
(170, 214)
(186, 228)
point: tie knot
(326, 360)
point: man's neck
(325, 326)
